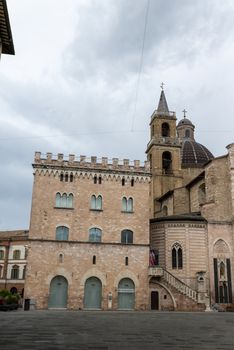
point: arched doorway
(154, 300)
(126, 294)
(14, 290)
(93, 293)
(58, 293)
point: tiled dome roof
(194, 154)
(185, 121)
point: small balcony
(155, 271)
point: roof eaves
(7, 39)
(184, 217)
(165, 195)
(196, 179)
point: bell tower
(163, 152)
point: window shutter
(229, 277)
(216, 281)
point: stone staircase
(179, 285)
(174, 282)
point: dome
(184, 121)
(193, 154)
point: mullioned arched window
(96, 202)
(64, 200)
(127, 204)
(177, 256)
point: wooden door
(58, 293)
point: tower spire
(162, 104)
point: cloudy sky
(74, 84)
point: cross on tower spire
(184, 111)
(162, 85)
(162, 105)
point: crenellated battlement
(95, 163)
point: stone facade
(121, 190)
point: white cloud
(73, 80)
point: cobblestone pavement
(115, 330)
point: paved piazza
(115, 330)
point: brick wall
(77, 267)
(111, 219)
